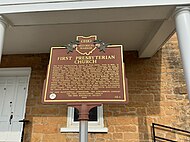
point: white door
(13, 94)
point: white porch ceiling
(143, 29)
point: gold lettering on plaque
(63, 58)
(92, 59)
(86, 41)
(85, 80)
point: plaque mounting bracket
(84, 109)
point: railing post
(153, 133)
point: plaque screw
(52, 96)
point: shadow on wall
(133, 120)
(148, 96)
(145, 78)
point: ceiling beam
(156, 40)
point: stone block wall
(157, 93)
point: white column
(182, 18)
(3, 25)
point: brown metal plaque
(85, 75)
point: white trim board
(76, 5)
(16, 2)
(15, 71)
(90, 130)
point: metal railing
(166, 128)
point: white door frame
(17, 72)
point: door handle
(24, 120)
(10, 119)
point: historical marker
(86, 71)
